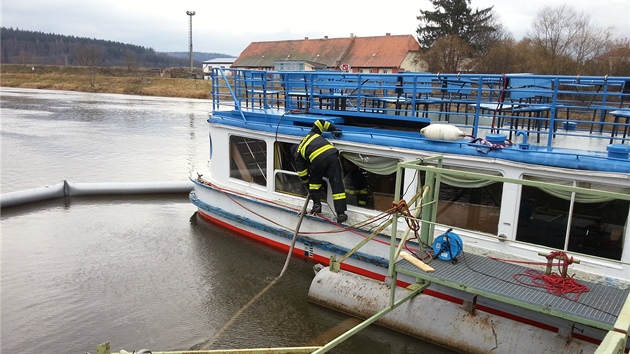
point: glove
(336, 133)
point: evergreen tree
(456, 18)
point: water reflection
(48, 137)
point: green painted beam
(615, 340)
(295, 350)
(622, 325)
(369, 321)
(613, 343)
(538, 184)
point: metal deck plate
(492, 278)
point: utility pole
(190, 46)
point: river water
(139, 272)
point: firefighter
(316, 158)
(356, 185)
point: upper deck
(565, 121)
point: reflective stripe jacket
(313, 148)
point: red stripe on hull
(296, 252)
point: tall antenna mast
(190, 46)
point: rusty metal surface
(437, 320)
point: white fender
(442, 132)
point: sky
(229, 26)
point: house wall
(413, 62)
(207, 68)
(375, 70)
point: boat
(504, 198)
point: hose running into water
(212, 340)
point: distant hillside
(199, 56)
(38, 48)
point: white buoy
(442, 132)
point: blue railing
(547, 108)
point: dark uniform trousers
(328, 167)
(316, 158)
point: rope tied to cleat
(403, 208)
(553, 283)
(557, 284)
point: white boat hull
(439, 307)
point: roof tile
(378, 51)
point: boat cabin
(560, 130)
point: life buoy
(442, 132)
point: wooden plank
(416, 262)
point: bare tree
(130, 59)
(616, 60)
(25, 57)
(449, 54)
(502, 57)
(88, 55)
(568, 39)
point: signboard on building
(297, 65)
(289, 66)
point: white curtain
(468, 182)
(579, 197)
(376, 164)
(385, 166)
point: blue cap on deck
(618, 151)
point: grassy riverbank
(174, 82)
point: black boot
(342, 218)
(317, 209)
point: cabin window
(470, 203)
(370, 180)
(286, 178)
(573, 222)
(248, 159)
